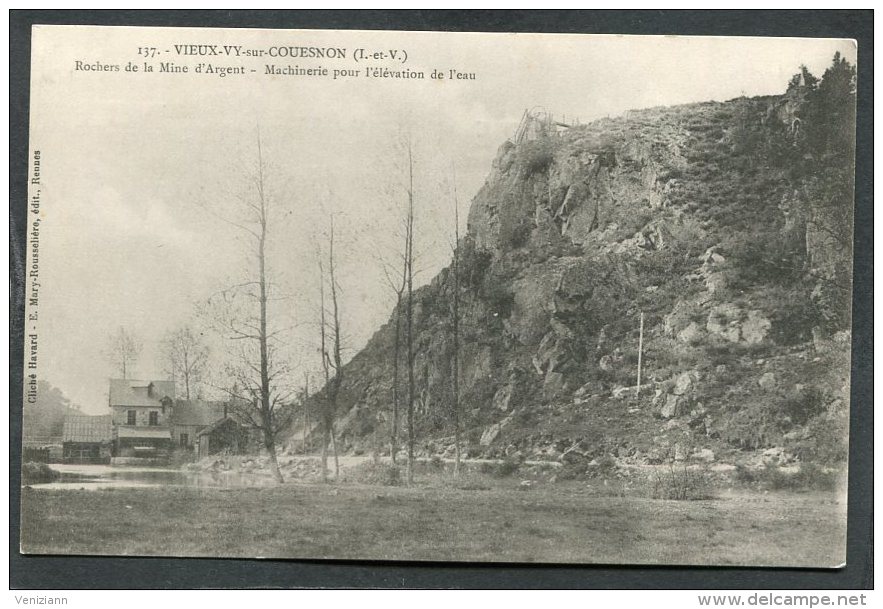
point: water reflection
(97, 477)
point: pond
(97, 477)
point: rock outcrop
(574, 236)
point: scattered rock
(490, 434)
(684, 382)
(554, 385)
(502, 398)
(755, 328)
(730, 322)
(671, 407)
(705, 454)
(690, 334)
(767, 380)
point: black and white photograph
(438, 296)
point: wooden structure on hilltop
(537, 122)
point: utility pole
(640, 350)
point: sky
(142, 174)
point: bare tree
(409, 316)
(455, 323)
(332, 363)
(123, 350)
(306, 406)
(256, 373)
(396, 279)
(184, 357)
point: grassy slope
(564, 523)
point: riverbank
(498, 521)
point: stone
(681, 316)
(684, 382)
(723, 320)
(671, 407)
(755, 328)
(767, 380)
(620, 391)
(715, 282)
(554, 385)
(502, 398)
(583, 391)
(490, 434)
(691, 334)
(550, 353)
(705, 454)
(606, 363)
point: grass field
(562, 523)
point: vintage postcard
(430, 296)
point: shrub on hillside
(809, 476)
(504, 469)
(379, 474)
(755, 424)
(824, 440)
(534, 156)
(761, 257)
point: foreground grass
(552, 523)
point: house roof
(219, 423)
(143, 432)
(129, 392)
(84, 428)
(197, 412)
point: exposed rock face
(671, 408)
(571, 238)
(732, 323)
(490, 434)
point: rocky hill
(708, 221)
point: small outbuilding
(87, 439)
(226, 435)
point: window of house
(154, 418)
(130, 417)
(185, 439)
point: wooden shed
(87, 439)
(225, 435)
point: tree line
(256, 377)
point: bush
(534, 156)
(508, 467)
(808, 477)
(606, 467)
(182, 456)
(577, 470)
(378, 474)
(825, 440)
(36, 473)
(503, 469)
(745, 475)
(754, 425)
(681, 482)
